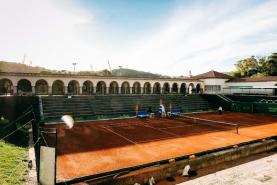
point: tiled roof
(254, 79)
(212, 74)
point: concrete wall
(160, 172)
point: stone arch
(166, 88)
(101, 87)
(113, 89)
(147, 88)
(6, 86)
(183, 88)
(191, 88)
(136, 88)
(41, 87)
(58, 87)
(174, 88)
(24, 87)
(73, 87)
(125, 88)
(198, 88)
(157, 88)
(87, 88)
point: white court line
(137, 144)
(170, 133)
(219, 138)
(120, 135)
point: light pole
(74, 64)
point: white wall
(215, 81)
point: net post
(237, 129)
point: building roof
(254, 79)
(212, 74)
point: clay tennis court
(100, 146)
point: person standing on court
(220, 110)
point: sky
(169, 37)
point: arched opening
(87, 88)
(157, 88)
(183, 88)
(125, 88)
(101, 88)
(113, 88)
(73, 87)
(6, 87)
(41, 87)
(174, 88)
(166, 88)
(275, 91)
(136, 88)
(58, 87)
(147, 88)
(191, 88)
(24, 87)
(198, 89)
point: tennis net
(216, 125)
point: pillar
(33, 90)
(94, 90)
(119, 90)
(15, 90)
(80, 90)
(49, 90)
(65, 90)
(107, 90)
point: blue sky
(169, 37)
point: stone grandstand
(92, 107)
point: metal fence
(252, 107)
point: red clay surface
(101, 146)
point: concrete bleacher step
(92, 106)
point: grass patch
(13, 164)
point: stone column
(49, 90)
(65, 90)
(94, 90)
(131, 90)
(15, 90)
(119, 90)
(107, 90)
(80, 90)
(33, 90)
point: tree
(256, 66)
(247, 67)
(270, 65)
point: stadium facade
(211, 82)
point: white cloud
(197, 37)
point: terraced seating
(92, 107)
